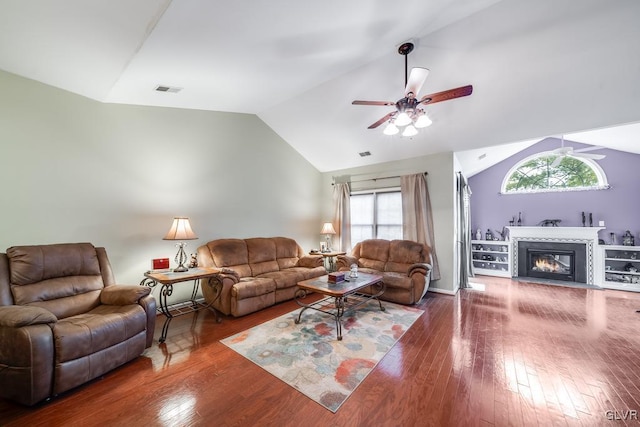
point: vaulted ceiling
(538, 68)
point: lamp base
(181, 258)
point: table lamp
(328, 230)
(180, 230)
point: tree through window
(541, 173)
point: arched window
(543, 172)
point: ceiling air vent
(365, 154)
(170, 89)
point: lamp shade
(410, 131)
(327, 228)
(180, 230)
(403, 119)
(391, 129)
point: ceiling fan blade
(416, 79)
(557, 161)
(373, 103)
(588, 155)
(447, 95)
(381, 121)
(582, 150)
(562, 151)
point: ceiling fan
(408, 112)
(562, 152)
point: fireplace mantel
(585, 235)
(580, 233)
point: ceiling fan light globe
(391, 129)
(403, 119)
(410, 131)
(423, 121)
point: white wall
(77, 170)
(441, 182)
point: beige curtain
(463, 232)
(342, 216)
(417, 217)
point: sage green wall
(73, 169)
(441, 182)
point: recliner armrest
(227, 273)
(310, 261)
(17, 316)
(123, 294)
(346, 261)
(423, 268)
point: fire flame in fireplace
(544, 264)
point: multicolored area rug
(309, 357)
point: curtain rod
(375, 179)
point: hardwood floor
(504, 353)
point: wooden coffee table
(339, 297)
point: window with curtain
(376, 215)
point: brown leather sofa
(257, 272)
(64, 321)
(405, 267)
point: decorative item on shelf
(550, 222)
(478, 235)
(519, 219)
(590, 219)
(630, 268)
(328, 231)
(488, 235)
(612, 239)
(627, 239)
(180, 230)
(584, 220)
(502, 234)
(194, 261)
(512, 221)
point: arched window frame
(603, 184)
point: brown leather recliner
(64, 321)
(405, 267)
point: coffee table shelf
(340, 297)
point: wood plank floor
(503, 353)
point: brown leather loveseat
(405, 267)
(64, 321)
(258, 272)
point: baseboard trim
(443, 291)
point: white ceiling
(539, 68)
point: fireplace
(553, 260)
(558, 243)
(551, 264)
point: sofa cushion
(32, 264)
(374, 254)
(249, 287)
(310, 272)
(64, 279)
(100, 328)
(262, 255)
(287, 252)
(285, 279)
(231, 253)
(403, 254)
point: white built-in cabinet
(491, 257)
(621, 267)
